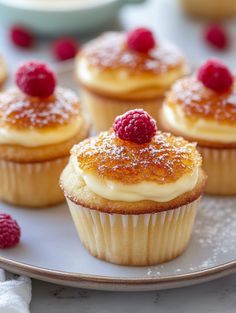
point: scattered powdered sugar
(213, 242)
(216, 225)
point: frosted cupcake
(39, 124)
(3, 71)
(210, 9)
(202, 108)
(121, 71)
(133, 192)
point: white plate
(50, 250)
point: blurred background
(50, 20)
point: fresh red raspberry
(65, 49)
(36, 79)
(9, 231)
(21, 37)
(216, 36)
(136, 126)
(141, 40)
(215, 75)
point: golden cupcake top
(3, 70)
(20, 111)
(197, 101)
(119, 50)
(210, 95)
(36, 103)
(135, 152)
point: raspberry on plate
(36, 79)
(65, 49)
(215, 75)
(9, 231)
(21, 37)
(136, 126)
(141, 40)
(216, 36)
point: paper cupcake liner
(209, 9)
(103, 111)
(220, 166)
(31, 184)
(143, 239)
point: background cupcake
(121, 71)
(38, 125)
(202, 108)
(210, 9)
(133, 192)
(3, 71)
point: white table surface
(218, 296)
(214, 297)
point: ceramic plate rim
(59, 276)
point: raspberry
(136, 126)
(21, 37)
(215, 75)
(9, 231)
(141, 40)
(35, 79)
(216, 36)
(65, 49)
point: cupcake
(202, 108)
(3, 71)
(133, 192)
(121, 71)
(210, 9)
(39, 123)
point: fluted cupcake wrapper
(143, 239)
(220, 166)
(31, 184)
(103, 111)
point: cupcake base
(219, 164)
(102, 111)
(31, 184)
(135, 240)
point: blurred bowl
(53, 17)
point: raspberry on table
(21, 37)
(141, 40)
(65, 49)
(215, 75)
(36, 79)
(9, 231)
(216, 36)
(136, 126)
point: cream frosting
(120, 80)
(116, 191)
(199, 128)
(36, 138)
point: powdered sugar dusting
(198, 101)
(21, 111)
(110, 51)
(165, 159)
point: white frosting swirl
(201, 128)
(116, 191)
